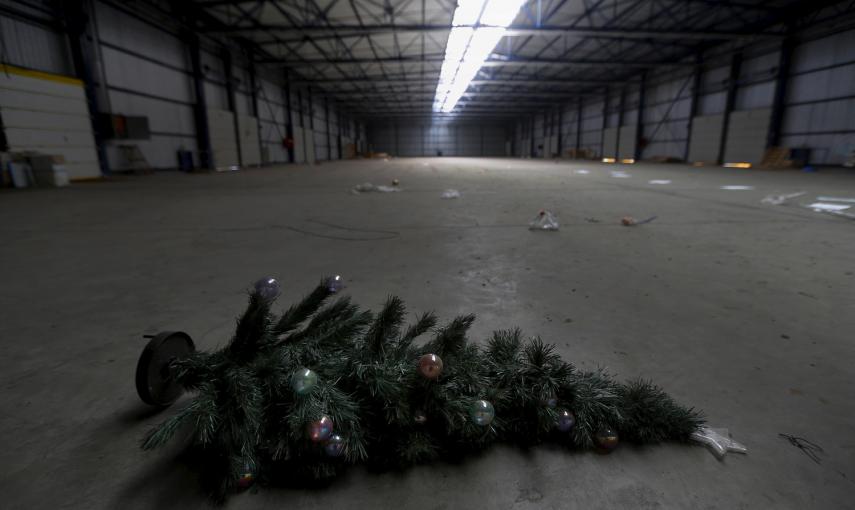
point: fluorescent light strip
(468, 48)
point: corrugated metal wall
(414, 137)
(819, 112)
(143, 68)
(821, 99)
(32, 45)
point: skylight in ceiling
(468, 47)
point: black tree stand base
(155, 384)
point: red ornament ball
(320, 430)
(430, 366)
(245, 480)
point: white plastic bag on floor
(544, 220)
(450, 193)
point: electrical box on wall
(123, 127)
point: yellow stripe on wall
(40, 75)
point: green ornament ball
(303, 381)
(482, 413)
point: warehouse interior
(697, 156)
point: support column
(545, 134)
(311, 121)
(327, 120)
(779, 101)
(560, 134)
(730, 100)
(77, 17)
(200, 109)
(578, 126)
(605, 123)
(289, 123)
(301, 122)
(621, 107)
(531, 136)
(230, 99)
(338, 132)
(639, 124)
(693, 104)
(253, 86)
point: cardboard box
(44, 162)
(55, 177)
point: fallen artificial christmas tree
(299, 396)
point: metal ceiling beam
(433, 115)
(354, 30)
(494, 62)
(380, 80)
(356, 94)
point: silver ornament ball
(566, 420)
(335, 284)
(482, 413)
(303, 381)
(267, 289)
(334, 447)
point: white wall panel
(250, 151)
(48, 114)
(746, 136)
(627, 139)
(221, 125)
(706, 139)
(610, 142)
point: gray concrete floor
(741, 309)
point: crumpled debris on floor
(780, 199)
(545, 220)
(629, 221)
(367, 187)
(450, 194)
(718, 441)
